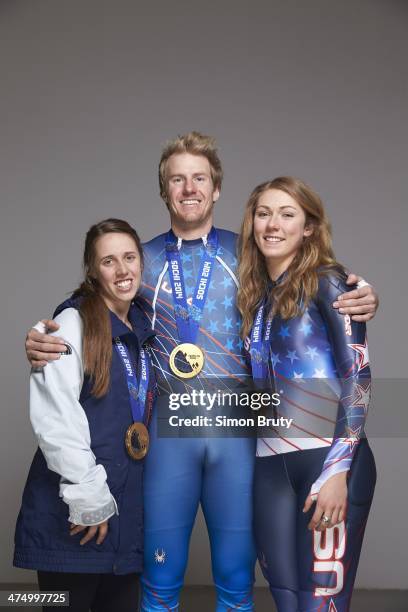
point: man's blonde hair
(196, 144)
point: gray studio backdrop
(91, 90)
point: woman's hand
(331, 503)
(101, 528)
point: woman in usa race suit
(314, 482)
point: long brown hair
(97, 340)
(301, 281)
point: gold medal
(137, 432)
(191, 355)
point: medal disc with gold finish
(186, 355)
(137, 440)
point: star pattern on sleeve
(353, 436)
(361, 396)
(292, 356)
(311, 352)
(362, 358)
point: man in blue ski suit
(183, 472)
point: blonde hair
(196, 144)
(301, 281)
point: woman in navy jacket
(81, 521)
(314, 482)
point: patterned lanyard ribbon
(260, 345)
(137, 392)
(188, 318)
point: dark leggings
(309, 570)
(95, 592)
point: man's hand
(331, 503)
(361, 303)
(42, 348)
(101, 529)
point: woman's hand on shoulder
(331, 503)
(101, 529)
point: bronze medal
(191, 355)
(137, 440)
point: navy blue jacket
(42, 539)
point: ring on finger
(325, 520)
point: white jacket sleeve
(62, 429)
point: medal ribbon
(137, 393)
(260, 346)
(188, 318)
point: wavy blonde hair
(301, 281)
